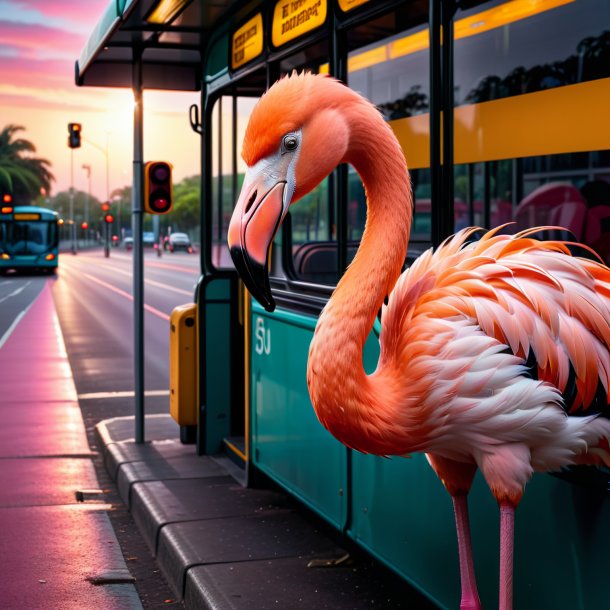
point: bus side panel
(216, 366)
(288, 442)
(403, 515)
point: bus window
(229, 120)
(531, 132)
(222, 194)
(313, 232)
(388, 63)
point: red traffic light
(105, 206)
(109, 218)
(84, 225)
(157, 187)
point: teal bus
(501, 108)
(29, 239)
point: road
(93, 297)
(94, 300)
(16, 295)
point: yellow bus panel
(183, 365)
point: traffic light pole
(72, 225)
(138, 263)
(107, 240)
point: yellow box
(183, 365)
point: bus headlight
(49, 257)
(5, 257)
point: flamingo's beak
(261, 207)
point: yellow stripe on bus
(573, 118)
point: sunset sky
(40, 41)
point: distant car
(128, 243)
(148, 239)
(180, 241)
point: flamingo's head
(297, 134)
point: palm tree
(21, 174)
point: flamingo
(494, 353)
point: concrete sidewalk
(222, 546)
(55, 552)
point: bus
(29, 238)
(501, 107)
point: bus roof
(172, 34)
(34, 209)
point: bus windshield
(31, 237)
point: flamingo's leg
(507, 470)
(470, 596)
(507, 538)
(457, 478)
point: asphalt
(216, 543)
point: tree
(21, 174)
(61, 204)
(186, 215)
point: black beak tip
(254, 276)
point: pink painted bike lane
(55, 552)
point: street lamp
(106, 154)
(87, 168)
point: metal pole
(72, 227)
(108, 225)
(107, 168)
(436, 170)
(138, 263)
(87, 168)
(447, 100)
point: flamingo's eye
(290, 143)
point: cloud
(63, 14)
(38, 41)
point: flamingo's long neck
(346, 400)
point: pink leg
(470, 596)
(507, 537)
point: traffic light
(109, 218)
(84, 225)
(157, 187)
(7, 204)
(105, 206)
(74, 129)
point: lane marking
(15, 292)
(12, 327)
(127, 394)
(148, 308)
(172, 267)
(151, 282)
(15, 322)
(149, 263)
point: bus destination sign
(247, 42)
(293, 18)
(27, 216)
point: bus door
(220, 294)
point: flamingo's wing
(549, 308)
